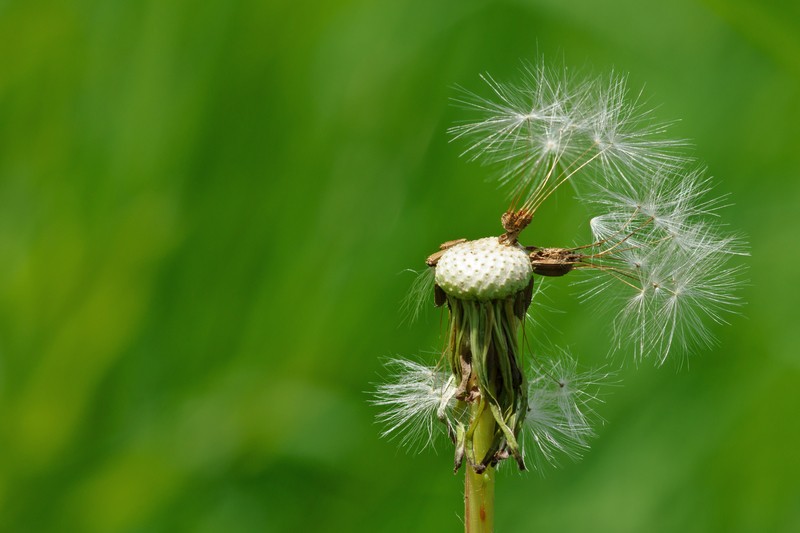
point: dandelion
(658, 255)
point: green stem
(479, 488)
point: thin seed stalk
(479, 488)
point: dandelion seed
(561, 413)
(416, 398)
(681, 291)
(529, 129)
(629, 140)
(553, 129)
(670, 204)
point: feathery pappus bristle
(416, 398)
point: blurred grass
(206, 210)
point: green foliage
(203, 209)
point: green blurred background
(206, 211)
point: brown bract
(553, 261)
(434, 258)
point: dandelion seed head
(661, 259)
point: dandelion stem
(479, 488)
